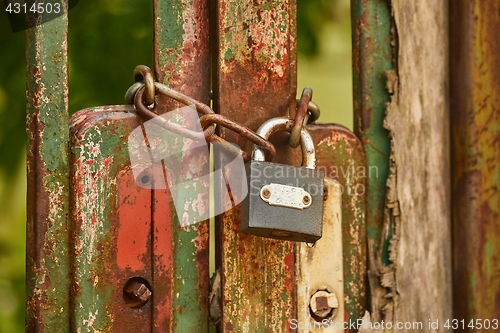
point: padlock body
(266, 218)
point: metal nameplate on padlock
(285, 196)
(284, 202)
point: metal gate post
(475, 159)
(255, 66)
(372, 58)
(47, 259)
(182, 61)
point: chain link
(142, 94)
(307, 112)
(144, 111)
(240, 129)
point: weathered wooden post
(409, 227)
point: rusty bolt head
(136, 293)
(306, 200)
(324, 304)
(266, 193)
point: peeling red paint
(163, 250)
(182, 61)
(134, 209)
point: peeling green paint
(97, 158)
(169, 21)
(228, 54)
(47, 273)
(257, 58)
(372, 58)
(251, 30)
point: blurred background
(107, 39)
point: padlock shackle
(278, 124)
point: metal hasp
(340, 156)
(475, 158)
(320, 278)
(47, 258)
(135, 267)
(106, 208)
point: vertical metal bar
(182, 61)
(47, 266)
(182, 46)
(372, 58)
(255, 67)
(475, 158)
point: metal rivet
(306, 200)
(266, 193)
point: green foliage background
(107, 39)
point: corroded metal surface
(475, 158)
(47, 261)
(182, 61)
(101, 214)
(121, 231)
(340, 156)
(182, 47)
(255, 70)
(372, 48)
(319, 268)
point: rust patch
(134, 209)
(475, 156)
(163, 251)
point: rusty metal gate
(106, 255)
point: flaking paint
(254, 84)
(338, 154)
(182, 61)
(47, 276)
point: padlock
(284, 202)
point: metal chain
(242, 130)
(142, 94)
(307, 112)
